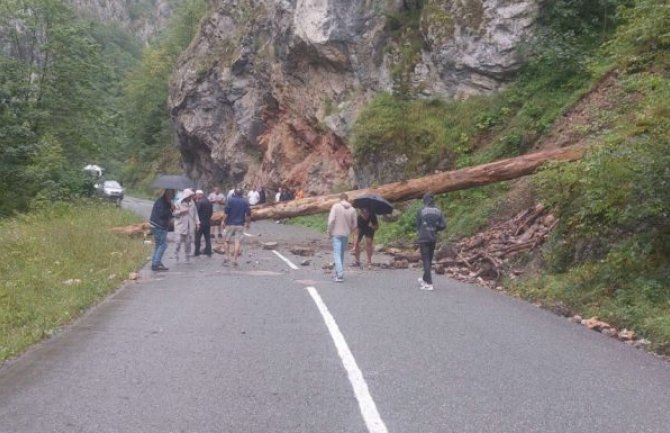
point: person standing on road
(429, 221)
(161, 213)
(218, 200)
(262, 199)
(367, 224)
(186, 223)
(341, 222)
(254, 197)
(205, 210)
(237, 219)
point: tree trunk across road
(464, 178)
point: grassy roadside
(56, 263)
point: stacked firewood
(484, 258)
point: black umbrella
(171, 181)
(374, 202)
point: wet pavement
(208, 347)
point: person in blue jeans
(341, 222)
(161, 213)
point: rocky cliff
(268, 90)
(143, 18)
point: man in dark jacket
(429, 221)
(237, 219)
(205, 210)
(161, 213)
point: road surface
(268, 348)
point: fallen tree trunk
(464, 178)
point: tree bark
(464, 178)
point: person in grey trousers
(429, 221)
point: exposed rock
(301, 251)
(626, 335)
(268, 90)
(595, 324)
(144, 18)
(269, 245)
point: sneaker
(426, 286)
(421, 282)
(338, 279)
(159, 268)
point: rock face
(142, 17)
(269, 89)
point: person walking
(205, 210)
(341, 222)
(186, 223)
(366, 224)
(161, 213)
(218, 200)
(238, 218)
(429, 221)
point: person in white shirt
(254, 197)
(218, 201)
(186, 223)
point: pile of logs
(484, 258)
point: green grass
(318, 222)
(43, 250)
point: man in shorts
(237, 219)
(218, 200)
(367, 225)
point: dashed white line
(366, 404)
(288, 262)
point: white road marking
(366, 404)
(288, 262)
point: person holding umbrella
(161, 213)
(429, 221)
(367, 224)
(370, 205)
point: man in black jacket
(161, 213)
(205, 210)
(429, 221)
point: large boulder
(268, 90)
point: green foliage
(51, 79)
(401, 231)
(431, 134)
(568, 32)
(609, 256)
(317, 222)
(643, 41)
(145, 96)
(46, 248)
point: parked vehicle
(110, 190)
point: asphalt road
(265, 348)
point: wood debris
(133, 230)
(486, 257)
